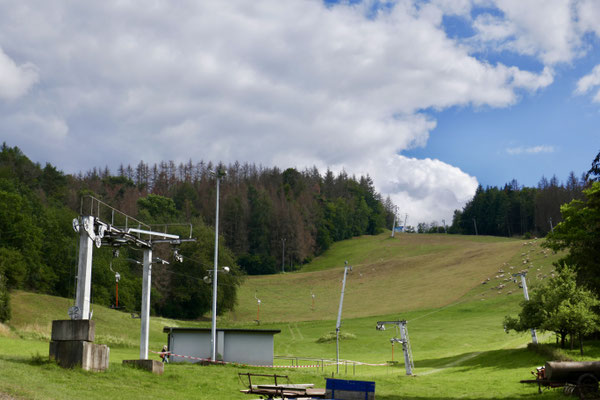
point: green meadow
(435, 282)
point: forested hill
(264, 212)
(515, 210)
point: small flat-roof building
(243, 346)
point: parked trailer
(579, 377)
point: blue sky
(478, 140)
(429, 97)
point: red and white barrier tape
(189, 357)
(357, 363)
(367, 364)
(225, 362)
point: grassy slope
(33, 315)
(433, 281)
(389, 275)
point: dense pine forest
(514, 210)
(263, 210)
(270, 220)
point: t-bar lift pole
(534, 339)
(339, 318)
(404, 340)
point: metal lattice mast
(408, 358)
(93, 230)
(404, 340)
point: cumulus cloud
(531, 81)
(15, 80)
(530, 150)
(427, 190)
(292, 83)
(589, 82)
(588, 14)
(546, 29)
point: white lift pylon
(94, 231)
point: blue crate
(347, 389)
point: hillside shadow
(495, 359)
(462, 397)
(35, 360)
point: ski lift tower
(404, 340)
(102, 225)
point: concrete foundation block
(87, 355)
(76, 329)
(156, 367)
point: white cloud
(15, 80)
(588, 13)
(493, 28)
(545, 29)
(48, 130)
(531, 81)
(290, 83)
(530, 150)
(428, 190)
(589, 81)
(454, 7)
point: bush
(330, 337)
(550, 352)
(5, 311)
(257, 264)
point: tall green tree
(259, 233)
(559, 306)
(5, 310)
(157, 209)
(594, 173)
(579, 233)
(188, 295)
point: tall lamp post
(219, 173)
(395, 217)
(283, 255)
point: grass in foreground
(433, 281)
(460, 351)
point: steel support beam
(84, 268)
(145, 313)
(213, 333)
(405, 348)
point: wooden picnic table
(296, 391)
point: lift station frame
(404, 340)
(93, 230)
